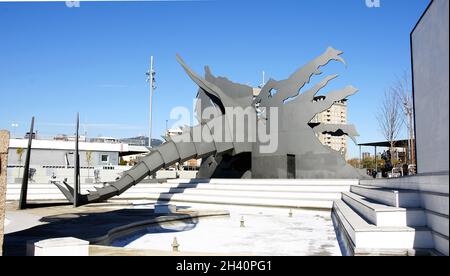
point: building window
(105, 158)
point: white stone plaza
(266, 232)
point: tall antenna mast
(151, 78)
(263, 79)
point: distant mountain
(140, 141)
(156, 142)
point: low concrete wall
(4, 144)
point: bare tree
(390, 119)
(403, 90)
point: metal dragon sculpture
(227, 151)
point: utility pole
(167, 127)
(409, 114)
(411, 134)
(151, 78)
(263, 79)
(76, 163)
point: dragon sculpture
(281, 110)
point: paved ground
(86, 223)
(268, 231)
(95, 250)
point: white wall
(430, 49)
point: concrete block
(58, 247)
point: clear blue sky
(56, 61)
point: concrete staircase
(381, 221)
(296, 193)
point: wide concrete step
(384, 215)
(361, 237)
(245, 201)
(391, 197)
(255, 194)
(261, 187)
(290, 193)
(295, 182)
(269, 188)
(303, 186)
(217, 187)
(435, 183)
(42, 191)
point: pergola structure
(384, 144)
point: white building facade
(336, 114)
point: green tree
(89, 161)
(122, 162)
(355, 162)
(369, 163)
(20, 152)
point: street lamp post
(151, 78)
(167, 128)
(14, 126)
(409, 115)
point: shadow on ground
(46, 205)
(86, 226)
(165, 198)
(171, 227)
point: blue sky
(56, 61)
